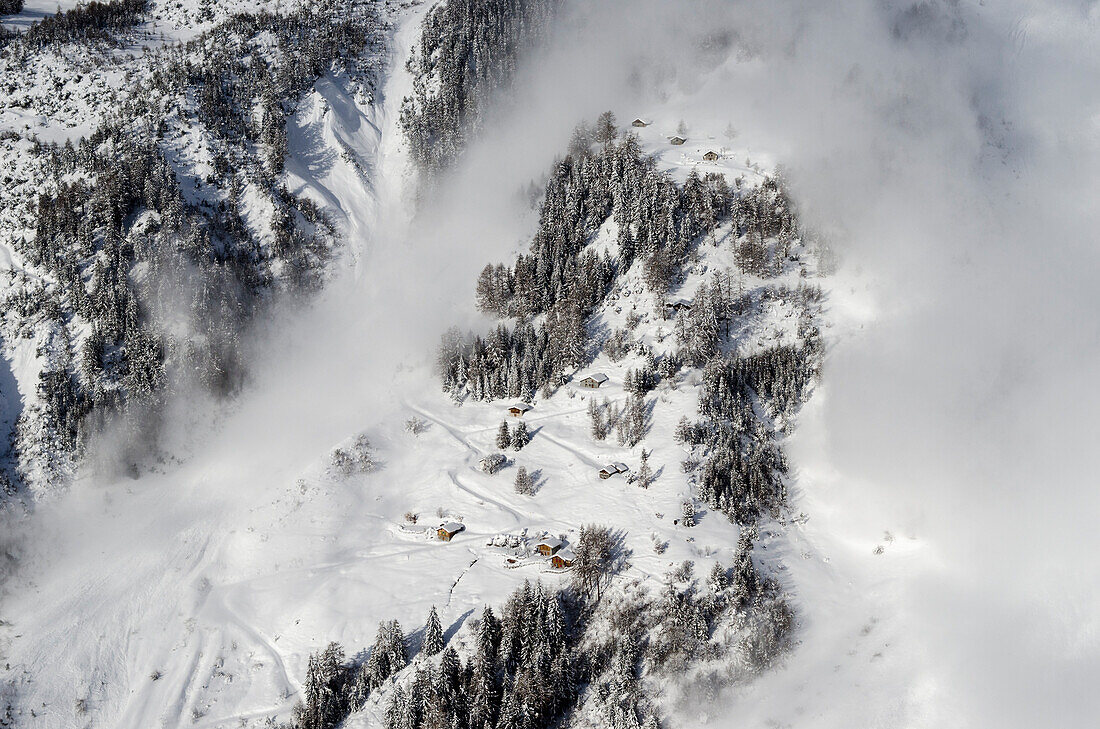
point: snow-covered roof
(680, 302)
(522, 406)
(551, 542)
(677, 140)
(452, 526)
(597, 376)
(622, 467)
(566, 554)
(615, 468)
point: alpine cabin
(677, 141)
(612, 469)
(445, 531)
(639, 123)
(594, 380)
(711, 156)
(679, 305)
(548, 546)
(518, 410)
(563, 559)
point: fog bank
(951, 152)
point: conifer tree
(520, 436)
(645, 475)
(606, 131)
(395, 710)
(593, 560)
(484, 695)
(504, 436)
(688, 513)
(595, 414)
(524, 484)
(433, 634)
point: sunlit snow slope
(186, 598)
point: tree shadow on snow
(450, 632)
(537, 481)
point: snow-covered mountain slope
(203, 590)
(195, 596)
(143, 631)
(148, 215)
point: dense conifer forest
(574, 657)
(125, 225)
(467, 51)
(551, 292)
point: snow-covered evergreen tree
(687, 511)
(433, 634)
(524, 483)
(520, 436)
(504, 436)
(645, 474)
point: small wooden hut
(548, 546)
(594, 380)
(563, 559)
(445, 531)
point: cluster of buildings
(709, 156)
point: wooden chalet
(445, 531)
(518, 410)
(594, 380)
(548, 546)
(677, 141)
(679, 305)
(639, 123)
(612, 469)
(711, 156)
(563, 559)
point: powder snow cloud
(950, 150)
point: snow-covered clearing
(34, 11)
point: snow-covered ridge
(201, 130)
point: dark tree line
(545, 656)
(743, 475)
(516, 362)
(467, 51)
(637, 633)
(125, 228)
(92, 21)
(522, 673)
(767, 226)
(603, 176)
(658, 222)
